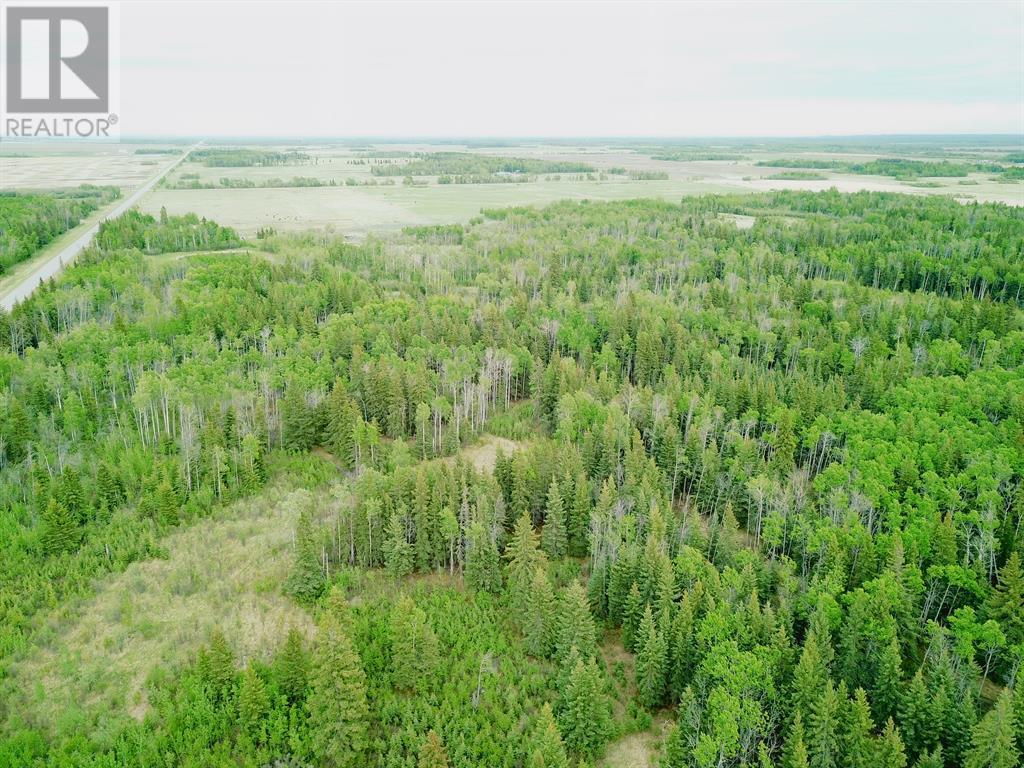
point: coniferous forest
(757, 492)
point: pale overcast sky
(571, 69)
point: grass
(89, 668)
(638, 750)
(92, 663)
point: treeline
(683, 156)
(191, 181)
(470, 165)
(168, 235)
(245, 158)
(897, 167)
(28, 221)
(884, 240)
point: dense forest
(762, 484)
(28, 221)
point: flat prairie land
(378, 203)
(55, 166)
(355, 211)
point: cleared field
(53, 166)
(390, 205)
(356, 211)
(223, 572)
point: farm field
(349, 199)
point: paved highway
(59, 260)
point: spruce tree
(916, 718)
(650, 662)
(253, 705)
(297, 421)
(931, 759)
(680, 646)
(432, 752)
(631, 615)
(539, 628)
(483, 571)
(553, 537)
(585, 716)
(217, 664)
(623, 574)
(523, 556)
(427, 532)
(578, 520)
(1006, 602)
(994, 743)
(856, 732)
(414, 650)
(307, 581)
(889, 749)
(823, 729)
(292, 666)
(71, 495)
(574, 626)
(795, 753)
(59, 534)
(337, 707)
(398, 552)
(888, 681)
(545, 747)
(809, 678)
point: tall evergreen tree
(523, 556)
(823, 731)
(889, 750)
(888, 682)
(554, 536)
(545, 748)
(916, 719)
(253, 705)
(631, 615)
(483, 572)
(398, 552)
(856, 733)
(574, 626)
(414, 650)
(808, 678)
(338, 711)
(585, 717)
(539, 628)
(650, 662)
(292, 667)
(307, 581)
(993, 743)
(795, 754)
(1006, 602)
(59, 534)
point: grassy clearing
(91, 665)
(484, 453)
(638, 750)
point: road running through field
(62, 258)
